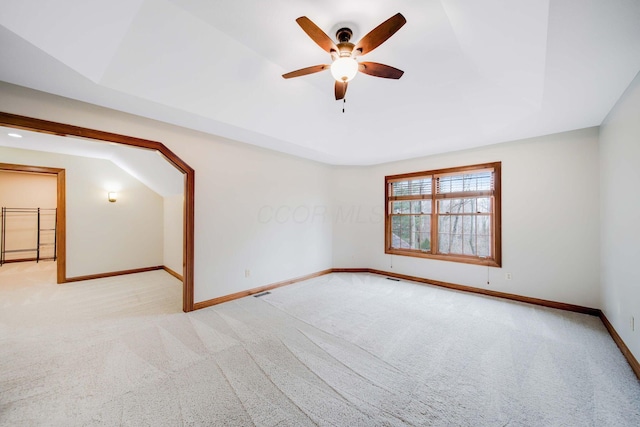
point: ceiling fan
(344, 66)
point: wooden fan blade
(379, 35)
(317, 35)
(305, 71)
(380, 70)
(340, 89)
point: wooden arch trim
(61, 129)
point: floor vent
(391, 278)
(262, 294)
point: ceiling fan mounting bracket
(343, 35)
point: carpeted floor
(338, 350)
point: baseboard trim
(231, 297)
(514, 297)
(488, 292)
(173, 273)
(633, 362)
(351, 270)
(111, 274)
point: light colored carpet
(338, 350)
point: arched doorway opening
(66, 130)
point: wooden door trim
(61, 217)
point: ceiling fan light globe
(344, 69)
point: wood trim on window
(61, 129)
(495, 260)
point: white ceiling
(476, 72)
(147, 166)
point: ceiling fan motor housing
(343, 35)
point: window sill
(489, 262)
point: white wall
(261, 211)
(173, 233)
(102, 236)
(28, 190)
(267, 212)
(235, 187)
(550, 220)
(620, 216)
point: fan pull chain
(344, 101)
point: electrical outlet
(247, 273)
(507, 276)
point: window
(448, 214)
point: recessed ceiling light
(15, 135)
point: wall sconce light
(112, 195)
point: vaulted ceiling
(476, 72)
(147, 166)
